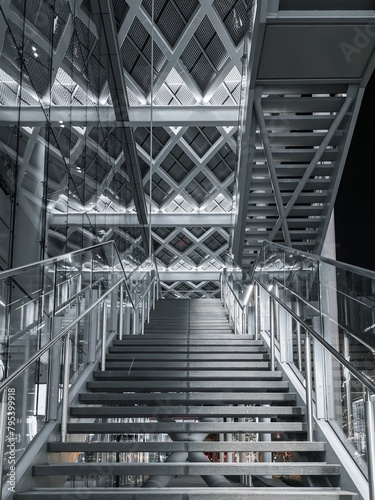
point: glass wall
(63, 183)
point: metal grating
(235, 18)
(136, 55)
(192, 166)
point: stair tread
(206, 446)
(191, 349)
(179, 385)
(186, 356)
(183, 365)
(169, 427)
(240, 493)
(190, 398)
(190, 468)
(187, 367)
(187, 374)
(198, 411)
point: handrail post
(134, 319)
(121, 319)
(143, 317)
(256, 312)
(309, 400)
(148, 304)
(348, 392)
(65, 394)
(272, 336)
(234, 316)
(299, 345)
(104, 335)
(370, 441)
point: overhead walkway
(308, 66)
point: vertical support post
(221, 438)
(154, 295)
(299, 345)
(135, 319)
(128, 314)
(309, 399)
(143, 317)
(256, 312)
(148, 304)
(54, 363)
(229, 438)
(348, 394)
(266, 437)
(65, 395)
(272, 335)
(104, 336)
(242, 438)
(91, 325)
(113, 324)
(76, 338)
(370, 442)
(234, 315)
(121, 319)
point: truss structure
(189, 93)
(197, 67)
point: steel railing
(130, 304)
(286, 288)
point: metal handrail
(37, 355)
(357, 374)
(233, 293)
(347, 267)
(18, 270)
(325, 315)
(61, 307)
(141, 299)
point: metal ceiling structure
(200, 90)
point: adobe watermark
(362, 39)
(11, 439)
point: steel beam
(115, 219)
(105, 21)
(272, 170)
(163, 116)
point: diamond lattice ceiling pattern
(184, 98)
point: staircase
(153, 424)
